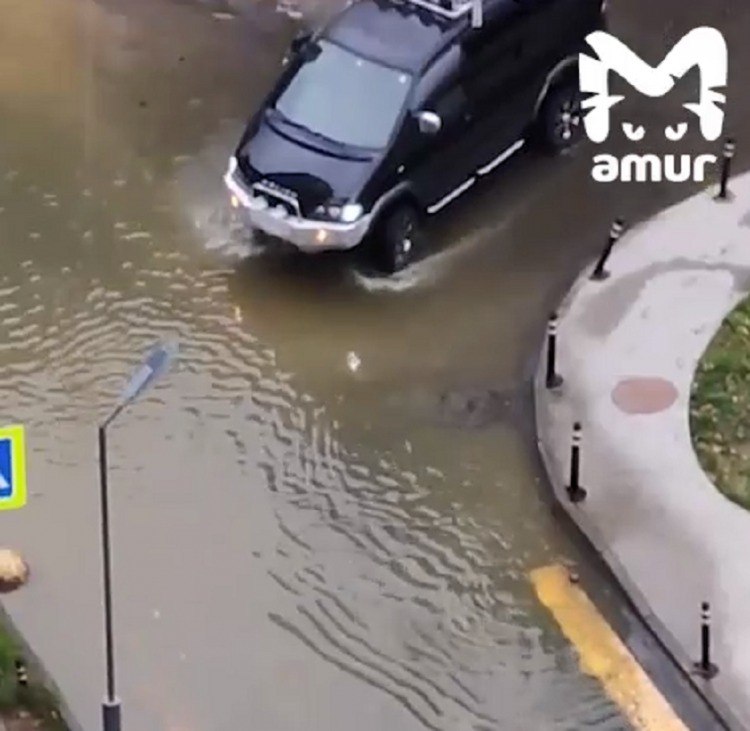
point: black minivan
(396, 107)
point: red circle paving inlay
(643, 395)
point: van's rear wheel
(399, 238)
(561, 118)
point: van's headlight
(345, 213)
(351, 212)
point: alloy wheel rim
(405, 242)
(568, 119)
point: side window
(548, 27)
(553, 27)
(493, 55)
(440, 91)
(451, 104)
(483, 43)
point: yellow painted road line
(602, 654)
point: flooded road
(312, 527)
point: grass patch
(30, 706)
(720, 407)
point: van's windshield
(345, 98)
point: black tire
(260, 238)
(561, 118)
(399, 238)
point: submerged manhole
(476, 407)
(644, 395)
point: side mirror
(429, 123)
(300, 41)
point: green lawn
(720, 407)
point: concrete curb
(674, 650)
(642, 607)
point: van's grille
(276, 195)
(276, 201)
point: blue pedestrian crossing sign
(12, 468)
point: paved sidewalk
(630, 344)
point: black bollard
(575, 492)
(615, 232)
(21, 675)
(726, 165)
(554, 379)
(705, 667)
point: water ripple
(375, 570)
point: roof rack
(452, 9)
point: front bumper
(307, 235)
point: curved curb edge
(590, 533)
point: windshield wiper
(281, 117)
(343, 150)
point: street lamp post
(154, 366)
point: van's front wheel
(399, 237)
(561, 118)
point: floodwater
(310, 529)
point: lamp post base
(707, 673)
(111, 714)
